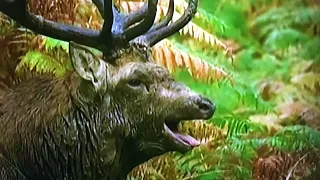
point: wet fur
(61, 129)
(47, 133)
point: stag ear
(87, 65)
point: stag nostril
(206, 107)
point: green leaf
(38, 61)
(282, 38)
(51, 43)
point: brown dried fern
(54, 10)
(7, 26)
(201, 35)
(165, 54)
(274, 167)
(191, 29)
(13, 44)
(82, 13)
(161, 167)
(278, 165)
(87, 15)
(202, 131)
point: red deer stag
(108, 115)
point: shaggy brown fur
(97, 123)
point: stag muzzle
(204, 107)
(185, 105)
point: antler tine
(118, 18)
(100, 5)
(125, 21)
(118, 29)
(166, 20)
(145, 25)
(121, 26)
(135, 16)
(157, 35)
(108, 20)
(17, 10)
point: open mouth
(182, 141)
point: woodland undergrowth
(259, 60)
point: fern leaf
(13, 44)
(41, 63)
(209, 21)
(311, 49)
(235, 126)
(161, 167)
(87, 15)
(309, 81)
(270, 121)
(63, 9)
(165, 54)
(282, 38)
(202, 131)
(51, 43)
(306, 135)
(191, 29)
(6, 24)
(286, 17)
(285, 165)
(201, 35)
(291, 138)
(273, 167)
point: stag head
(141, 97)
(150, 101)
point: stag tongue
(187, 139)
(180, 137)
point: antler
(17, 10)
(163, 31)
(104, 40)
(121, 26)
(118, 29)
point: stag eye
(134, 82)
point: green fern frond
(211, 175)
(311, 49)
(286, 17)
(206, 20)
(301, 137)
(217, 163)
(282, 38)
(233, 158)
(235, 126)
(291, 138)
(42, 63)
(193, 162)
(209, 21)
(51, 43)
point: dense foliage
(259, 60)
